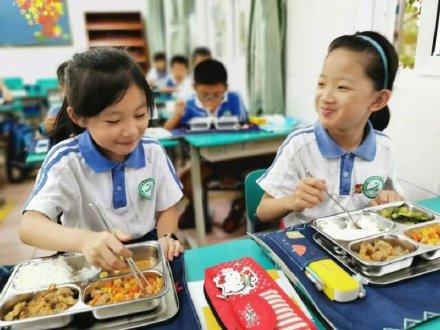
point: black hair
(375, 68)
(96, 79)
(179, 59)
(210, 72)
(201, 51)
(61, 72)
(159, 56)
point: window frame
(425, 62)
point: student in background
(212, 98)
(109, 161)
(345, 151)
(179, 81)
(157, 76)
(5, 93)
(201, 54)
(52, 114)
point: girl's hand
(309, 193)
(102, 249)
(171, 247)
(386, 196)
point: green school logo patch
(146, 188)
(372, 186)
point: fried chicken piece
(69, 300)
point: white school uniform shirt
(75, 173)
(353, 178)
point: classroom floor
(13, 251)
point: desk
(197, 260)
(215, 147)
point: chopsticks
(106, 224)
(335, 200)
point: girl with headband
(345, 152)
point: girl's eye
(141, 115)
(342, 87)
(320, 84)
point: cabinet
(123, 30)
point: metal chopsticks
(106, 224)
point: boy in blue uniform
(201, 54)
(179, 82)
(157, 77)
(212, 97)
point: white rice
(365, 228)
(42, 274)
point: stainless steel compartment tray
(341, 247)
(141, 251)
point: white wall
(415, 120)
(32, 63)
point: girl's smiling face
(345, 95)
(118, 129)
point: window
(407, 30)
(428, 48)
(223, 26)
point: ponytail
(64, 126)
(380, 119)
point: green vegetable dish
(405, 214)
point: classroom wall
(32, 63)
(311, 26)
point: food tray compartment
(392, 253)
(81, 270)
(146, 256)
(405, 214)
(120, 306)
(428, 237)
(340, 228)
(55, 297)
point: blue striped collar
(330, 149)
(100, 163)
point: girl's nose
(129, 129)
(327, 95)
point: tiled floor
(13, 251)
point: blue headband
(379, 49)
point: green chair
(253, 194)
(14, 83)
(47, 84)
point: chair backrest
(47, 84)
(14, 83)
(253, 194)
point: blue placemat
(397, 306)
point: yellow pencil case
(336, 283)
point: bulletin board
(34, 22)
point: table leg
(196, 180)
